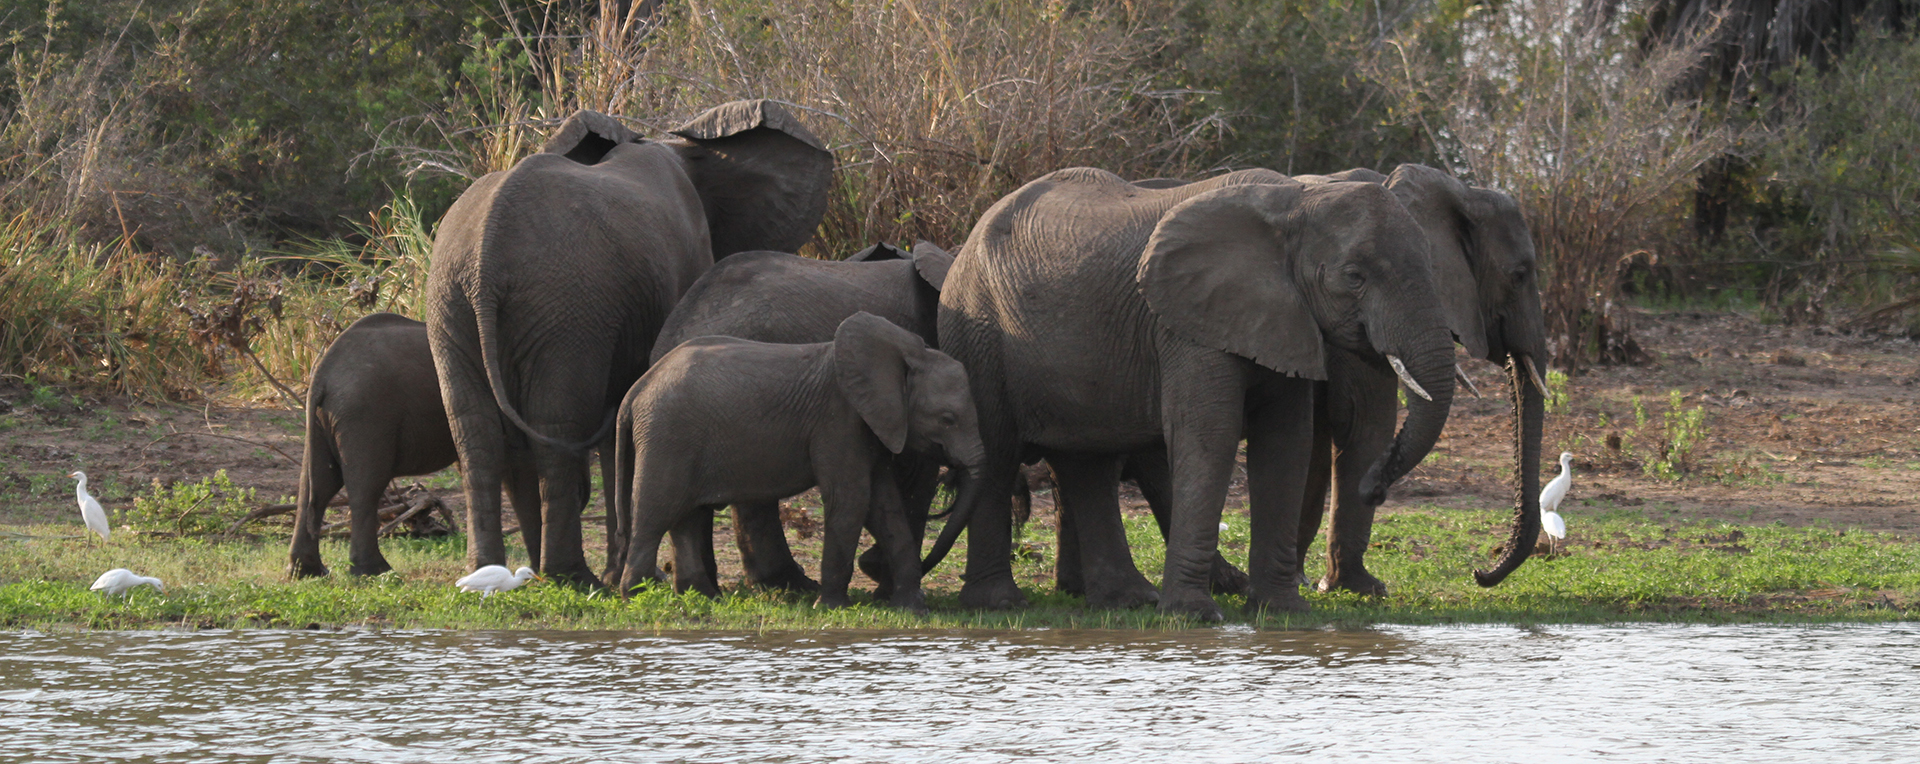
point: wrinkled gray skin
(1097, 318)
(782, 298)
(551, 279)
(721, 420)
(1484, 265)
(373, 414)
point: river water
(1641, 693)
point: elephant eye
(1355, 279)
(949, 419)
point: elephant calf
(373, 414)
(721, 420)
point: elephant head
(762, 177)
(1269, 271)
(1485, 266)
(913, 398)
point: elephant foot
(1194, 604)
(789, 578)
(832, 601)
(307, 569)
(373, 567)
(580, 578)
(1362, 583)
(1287, 600)
(992, 593)
(1225, 578)
(915, 603)
(1132, 594)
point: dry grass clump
(1560, 109)
(935, 108)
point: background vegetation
(203, 192)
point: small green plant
(188, 509)
(1683, 432)
(1559, 392)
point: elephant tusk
(1407, 379)
(1532, 373)
(1461, 374)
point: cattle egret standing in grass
(117, 581)
(90, 510)
(494, 578)
(1552, 495)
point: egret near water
(116, 582)
(494, 578)
(90, 511)
(1550, 498)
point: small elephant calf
(373, 414)
(721, 421)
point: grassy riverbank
(1619, 565)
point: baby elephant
(721, 421)
(373, 414)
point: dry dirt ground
(1801, 426)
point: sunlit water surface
(1478, 694)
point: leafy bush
(191, 509)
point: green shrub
(191, 509)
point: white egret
(117, 581)
(1552, 495)
(90, 510)
(494, 578)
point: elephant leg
(848, 501)
(1148, 470)
(475, 423)
(763, 546)
(890, 532)
(523, 491)
(1088, 487)
(366, 487)
(918, 482)
(655, 510)
(616, 538)
(1203, 396)
(989, 576)
(1313, 506)
(1279, 435)
(318, 485)
(1361, 416)
(1068, 568)
(693, 568)
(563, 488)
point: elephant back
(782, 298)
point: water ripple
(1637, 693)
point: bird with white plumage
(1552, 495)
(493, 578)
(118, 581)
(90, 511)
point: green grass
(1618, 566)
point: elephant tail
(488, 325)
(961, 512)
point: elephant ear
(1438, 202)
(1219, 270)
(878, 252)
(932, 262)
(870, 364)
(761, 175)
(587, 136)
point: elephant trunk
(1528, 421)
(1432, 371)
(968, 494)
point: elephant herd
(631, 296)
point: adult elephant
(1485, 267)
(1098, 318)
(782, 298)
(551, 279)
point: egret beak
(1407, 379)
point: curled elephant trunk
(1528, 417)
(967, 495)
(1430, 376)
